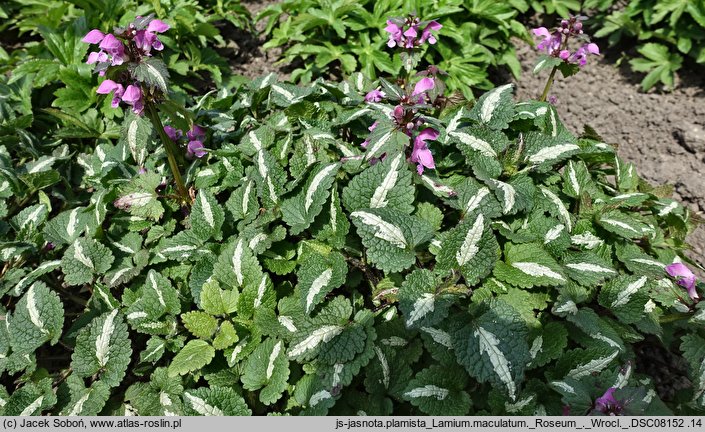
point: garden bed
(663, 133)
(181, 240)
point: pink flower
(405, 32)
(93, 37)
(398, 114)
(424, 85)
(374, 96)
(196, 133)
(110, 86)
(421, 155)
(173, 133)
(426, 34)
(685, 278)
(115, 48)
(195, 149)
(157, 26)
(580, 56)
(547, 42)
(147, 39)
(607, 404)
(395, 34)
(133, 97)
(97, 57)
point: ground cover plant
(363, 246)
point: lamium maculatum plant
(359, 247)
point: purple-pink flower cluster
(195, 136)
(125, 45)
(132, 95)
(406, 118)
(411, 32)
(555, 42)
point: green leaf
(200, 324)
(493, 348)
(285, 95)
(475, 196)
(319, 275)
(270, 177)
(156, 347)
(385, 139)
(137, 136)
(67, 226)
(481, 141)
(299, 211)
(217, 301)
(104, 348)
(328, 335)
(139, 196)
(153, 72)
(85, 401)
(576, 179)
(192, 357)
(588, 268)
(386, 184)
(226, 336)
(31, 216)
(470, 247)
(267, 368)
(693, 348)
(529, 265)
(546, 62)
(626, 297)
(85, 259)
(495, 108)
(31, 399)
(597, 329)
(207, 216)
(439, 391)
(390, 237)
(243, 204)
(623, 225)
(238, 267)
(331, 226)
(548, 345)
(38, 318)
(215, 401)
(421, 301)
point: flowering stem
(549, 83)
(171, 151)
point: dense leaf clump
(311, 275)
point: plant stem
(171, 152)
(549, 83)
